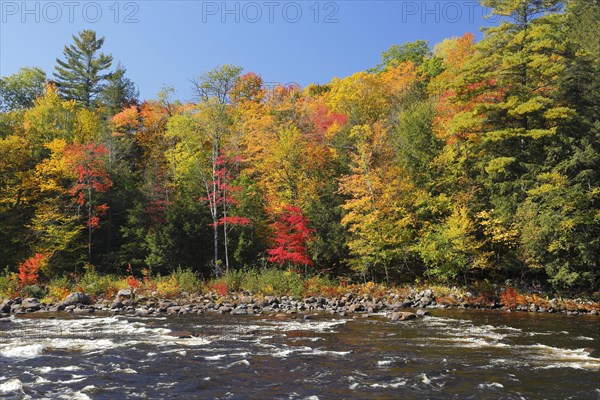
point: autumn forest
(468, 160)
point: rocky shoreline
(281, 307)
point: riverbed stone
(173, 309)
(356, 308)
(402, 316)
(56, 308)
(83, 310)
(117, 305)
(181, 334)
(124, 294)
(31, 304)
(5, 306)
(76, 298)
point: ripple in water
(447, 355)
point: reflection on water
(450, 354)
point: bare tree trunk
(89, 224)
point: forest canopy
(464, 161)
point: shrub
(187, 280)
(321, 286)
(96, 284)
(34, 291)
(167, 286)
(510, 298)
(9, 284)
(58, 289)
(28, 270)
(220, 287)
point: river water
(447, 355)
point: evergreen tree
(119, 91)
(79, 77)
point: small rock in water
(181, 334)
(401, 316)
(83, 310)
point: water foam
(12, 385)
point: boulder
(401, 316)
(57, 308)
(76, 298)
(356, 308)
(124, 294)
(117, 304)
(31, 304)
(5, 306)
(15, 307)
(173, 309)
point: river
(450, 354)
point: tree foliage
(475, 160)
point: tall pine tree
(79, 77)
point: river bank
(399, 304)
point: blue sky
(170, 42)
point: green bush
(9, 284)
(96, 284)
(34, 291)
(187, 280)
(266, 282)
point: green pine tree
(79, 77)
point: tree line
(469, 161)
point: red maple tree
(28, 270)
(92, 177)
(291, 234)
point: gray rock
(239, 311)
(165, 304)
(117, 304)
(422, 312)
(173, 309)
(124, 294)
(533, 307)
(181, 334)
(31, 303)
(355, 308)
(5, 306)
(56, 308)
(76, 298)
(86, 310)
(401, 316)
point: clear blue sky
(169, 42)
